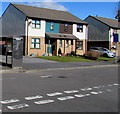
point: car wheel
(105, 55)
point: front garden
(74, 58)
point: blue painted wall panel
(56, 27)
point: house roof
(44, 13)
(110, 22)
(61, 36)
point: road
(85, 89)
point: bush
(73, 53)
(59, 51)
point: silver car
(105, 52)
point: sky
(79, 9)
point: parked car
(103, 51)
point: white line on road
(44, 101)
(9, 101)
(17, 106)
(95, 93)
(54, 94)
(46, 76)
(86, 89)
(33, 97)
(109, 90)
(81, 95)
(65, 98)
(71, 91)
(97, 87)
(116, 84)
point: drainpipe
(48, 47)
(64, 47)
(28, 23)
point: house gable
(13, 22)
(97, 31)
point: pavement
(31, 64)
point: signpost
(116, 40)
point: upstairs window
(35, 43)
(66, 27)
(51, 26)
(79, 28)
(36, 24)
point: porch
(58, 41)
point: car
(104, 51)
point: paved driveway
(28, 59)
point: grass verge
(73, 58)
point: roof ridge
(104, 18)
(39, 7)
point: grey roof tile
(110, 22)
(44, 13)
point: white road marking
(87, 94)
(9, 101)
(65, 98)
(97, 87)
(81, 95)
(0, 110)
(44, 101)
(86, 89)
(33, 97)
(54, 94)
(116, 84)
(71, 91)
(17, 106)
(109, 90)
(95, 93)
(46, 76)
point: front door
(49, 49)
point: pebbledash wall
(40, 33)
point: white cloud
(49, 4)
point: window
(35, 43)
(79, 28)
(67, 43)
(79, 45)
(71, 42)
(60, 43)
(51, 26)
(36, 24)
(66, 27)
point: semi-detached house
(101, 31)
(45, 30)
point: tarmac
(31, 64)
